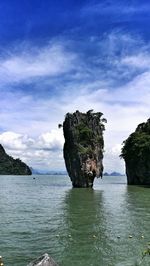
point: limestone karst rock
(136, 153)
(83, 147)
(10, 166)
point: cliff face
(83, 148)
(10, 166)
(136, 153)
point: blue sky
(60, 56)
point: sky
(61, 56)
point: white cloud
(113, 8)
(125, 103)
(32, 63)
(138, 61)
(37, 152)
(12, 140)
(51, 140)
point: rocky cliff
(83, 148)
(10, 166)
(136, 153)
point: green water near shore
(75, 226)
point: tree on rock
(136, 153)
(83, 148)
(11, 166)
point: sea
(108, 225)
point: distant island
(11, 166)
(59, 172)
(47, 172)
(113, 174)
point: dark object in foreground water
(44, 260)
(83, 148)
(136, 153)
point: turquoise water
(77, 227)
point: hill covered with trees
(11, 166)
(136, 153)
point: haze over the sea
(60, 56)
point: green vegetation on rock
(136, 153)
(11, 166)
(83, 148)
